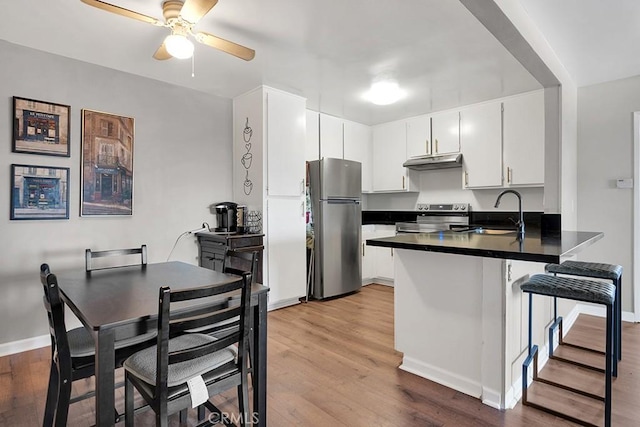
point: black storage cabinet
(212, 247)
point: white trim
(14, 347)
(284, 303)
(446, 378)
(636, 215)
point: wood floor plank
(332, 363)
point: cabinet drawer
(243, 242)
(212, 260)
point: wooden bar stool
(597, 271)
(578, 290)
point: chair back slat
(239, 261)
(176, 320)
(91, 255)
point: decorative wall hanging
(39, 192)
(40, 127)
(247, 157)
(107, 164)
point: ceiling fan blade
(226, 46)
(124, 12)
(161, 54)
(193, 10)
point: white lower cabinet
(377, 262)
(285, 250)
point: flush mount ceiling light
(385, 92)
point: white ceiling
(327, 51)
(596, 40)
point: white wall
(605, 153)
(182, 164)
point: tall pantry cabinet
(269, 130)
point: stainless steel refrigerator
(335, 187)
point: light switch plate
(624, 183)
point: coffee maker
(226, 214)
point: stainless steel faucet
(520, 222)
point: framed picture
(39, 192)
(107, 164)
(41, 127)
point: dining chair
(72, 354)
(90, 255)
(163, 373)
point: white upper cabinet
(286, 143)
(418, 136)
(524, 139)
(331, 136)
(312, 150)
(445, 132)
(389, 153)
(357, 146)
(481, 145)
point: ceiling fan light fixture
(385, 92)
(179, 46)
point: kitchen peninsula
(460, 319)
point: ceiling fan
(180, 17)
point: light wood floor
(332, 363)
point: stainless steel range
(436, 217)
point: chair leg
(64, 396)
(243, 402)
(183, 417)
(52, 397)
(201, 412)
(609, 364)
(128, 402)
(618, 284)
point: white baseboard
(440, 376)
(284, 303)
(381, 281)
(24, 345)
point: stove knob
(455, 207)
(463, 207)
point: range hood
(437, 161)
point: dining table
(121, 302)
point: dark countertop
(532, 248)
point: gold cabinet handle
(466, 179)
(426, 146)
(403, 183)
(436, 146)
(509, 175)
(391, 252)
(363, 249)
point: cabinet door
(312, 151)
(524, 139)
(383, 257)
(481, 145)
(389, 153)
(357, 146)
(286, 132)
(368, 262)
(418, 136)
(331, 137)
(445, 132)
(285, 250)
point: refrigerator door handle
(343, 201)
